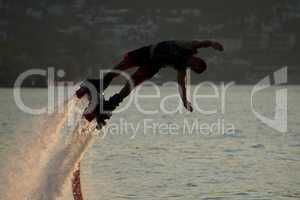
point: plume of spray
(62, 165)
(24, 166)
(40, 167)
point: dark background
(83, 36)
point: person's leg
(122, 66)
(88, 84)
(93, 88)
(142, 74)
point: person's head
(197, 64)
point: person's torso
(173, 53)
(167, 53)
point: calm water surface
(143, 161)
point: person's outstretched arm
(181, 78)
(207, 43)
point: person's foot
(81, 92)
(114, 102)
(108, 107)
(101, 119)
(103, 115)
(89, 115)
(106, 110)
(88, 87)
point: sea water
(227, 154)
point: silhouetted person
(150, 59)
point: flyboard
(102, 112)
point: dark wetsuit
(168, 53)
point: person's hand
(188, 106)
(217, 46)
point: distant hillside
(83, 36)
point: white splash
(41, 165)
